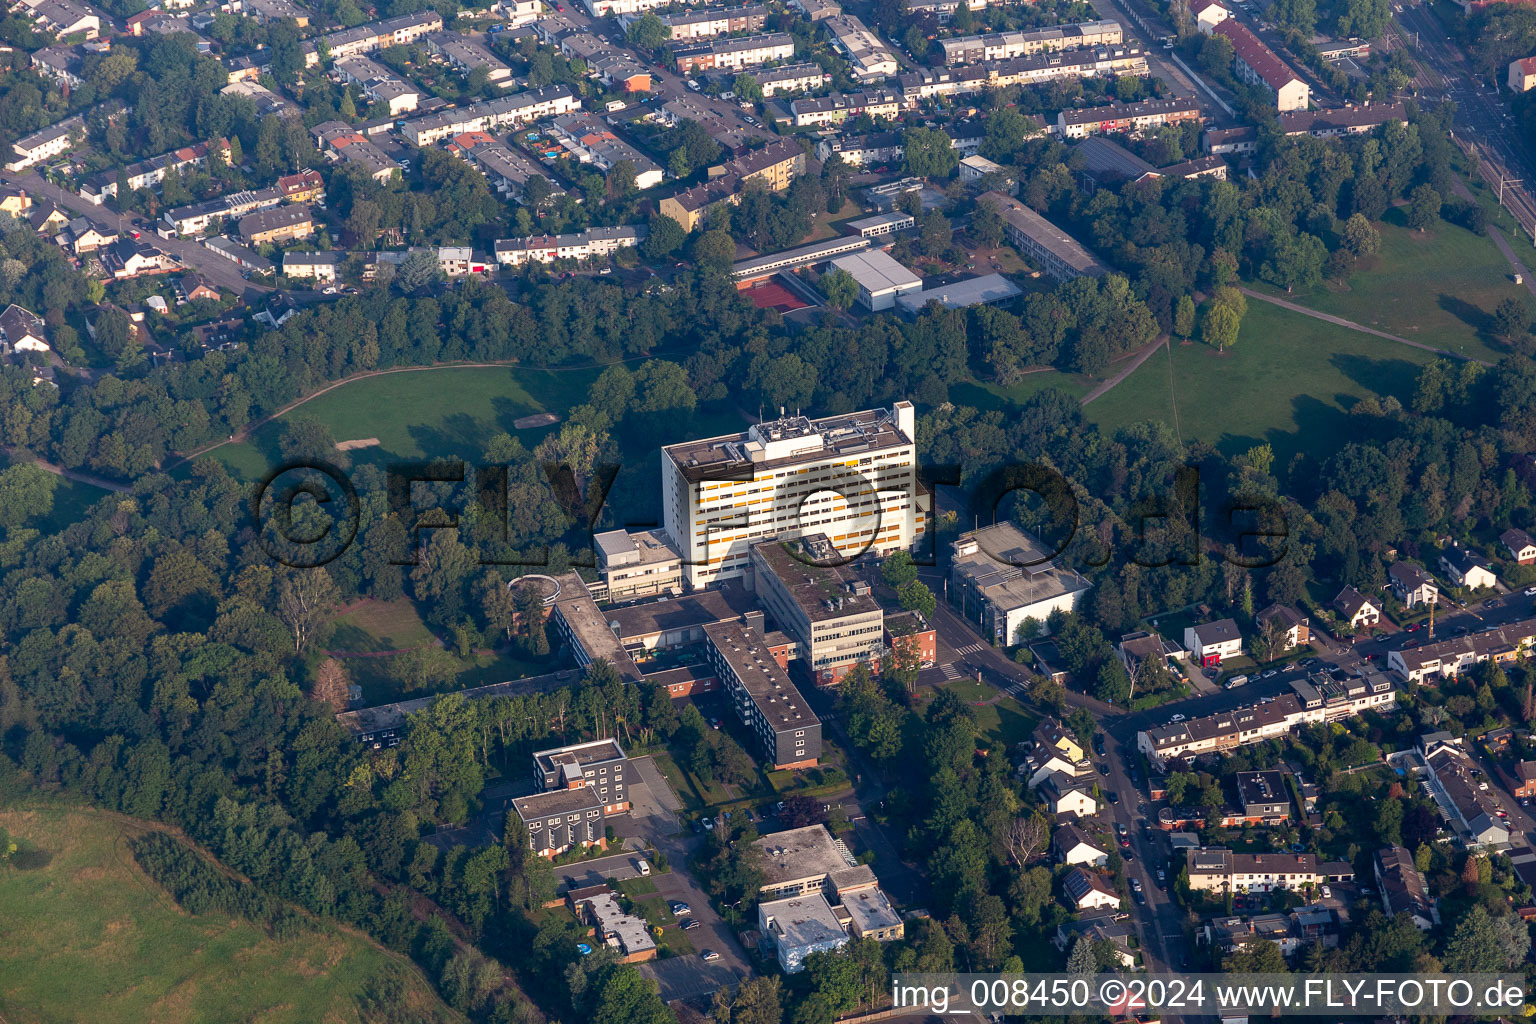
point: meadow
(89, 937)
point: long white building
(852, 477)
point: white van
(1236, 681)
(645, 866)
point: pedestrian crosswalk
(970, 648)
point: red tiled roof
(1250, 49)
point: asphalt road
(192, 255)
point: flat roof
(812, 585)
(597, 638)
(870, 910)
(768, 685)
(1011, 568)
(556, 801)
(972, 291)
(806, 255)
(798, 853)
(877, 271)
(594, 752)
(383, 717)
(845, 434)
(896, 220)
(719, 604)
(802, 921)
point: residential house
(14, 201)
(21, 330)
(690, 206)
(1263, 797)
(1067, 796)
(1519, 545)
(1072, 846)
(1087, 890)
(196, 286)
(1219, 870)
(626, 934)
(1449, 657)
(129, 257)
(1053, 751)
(1141, 648)
(1402, 888)
(1293, 628)
(1466, 804)
(1525, 780)
(304, 187)
(1097, 926)
(46, 143)
(1412, 584)
(1349, 119)
(1356, 609)
(1522, 74)
(320, 266)
(1207, 14)
(84, 235)
(1124, 118)
(1466, 568)
(1211, 643)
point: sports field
(89, 937)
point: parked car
(1114, 797)
(1103, 768)
(1120, 829)
(1098, 743)
(690, 924)
(1327, 893)
(1176, 718)
(681, 909)
(710, 955)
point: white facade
(851, 477)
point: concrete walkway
(1129, 368)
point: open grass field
(1439, 287)
(1290, 381)
(424, 413)
(386, 626)
(89, 937)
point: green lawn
(380, 626)
(89, 937)
(1438, 287)
(426, 413)
(1289, 381)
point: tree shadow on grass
(1474, 317)
(1397, 377)
(30, 858)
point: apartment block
(836, 109)
(819, 603)
(197, 218)
(734, 53)
(788, 731)
(1004, 45)
(486, 115)
(401, 31)
(590, 141)
(714, 21)
(1124, 118)
(1312, 701)
(869, 58)
(582, 245)
(46, 143)
(1449, 658)
(1034, 69)
(279, 224)
(149, 173)
(1041, 242)
(1256, 64)
(791, 78)
(851, 477)
(1219, 870)
(599, 766)
(773, 166)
